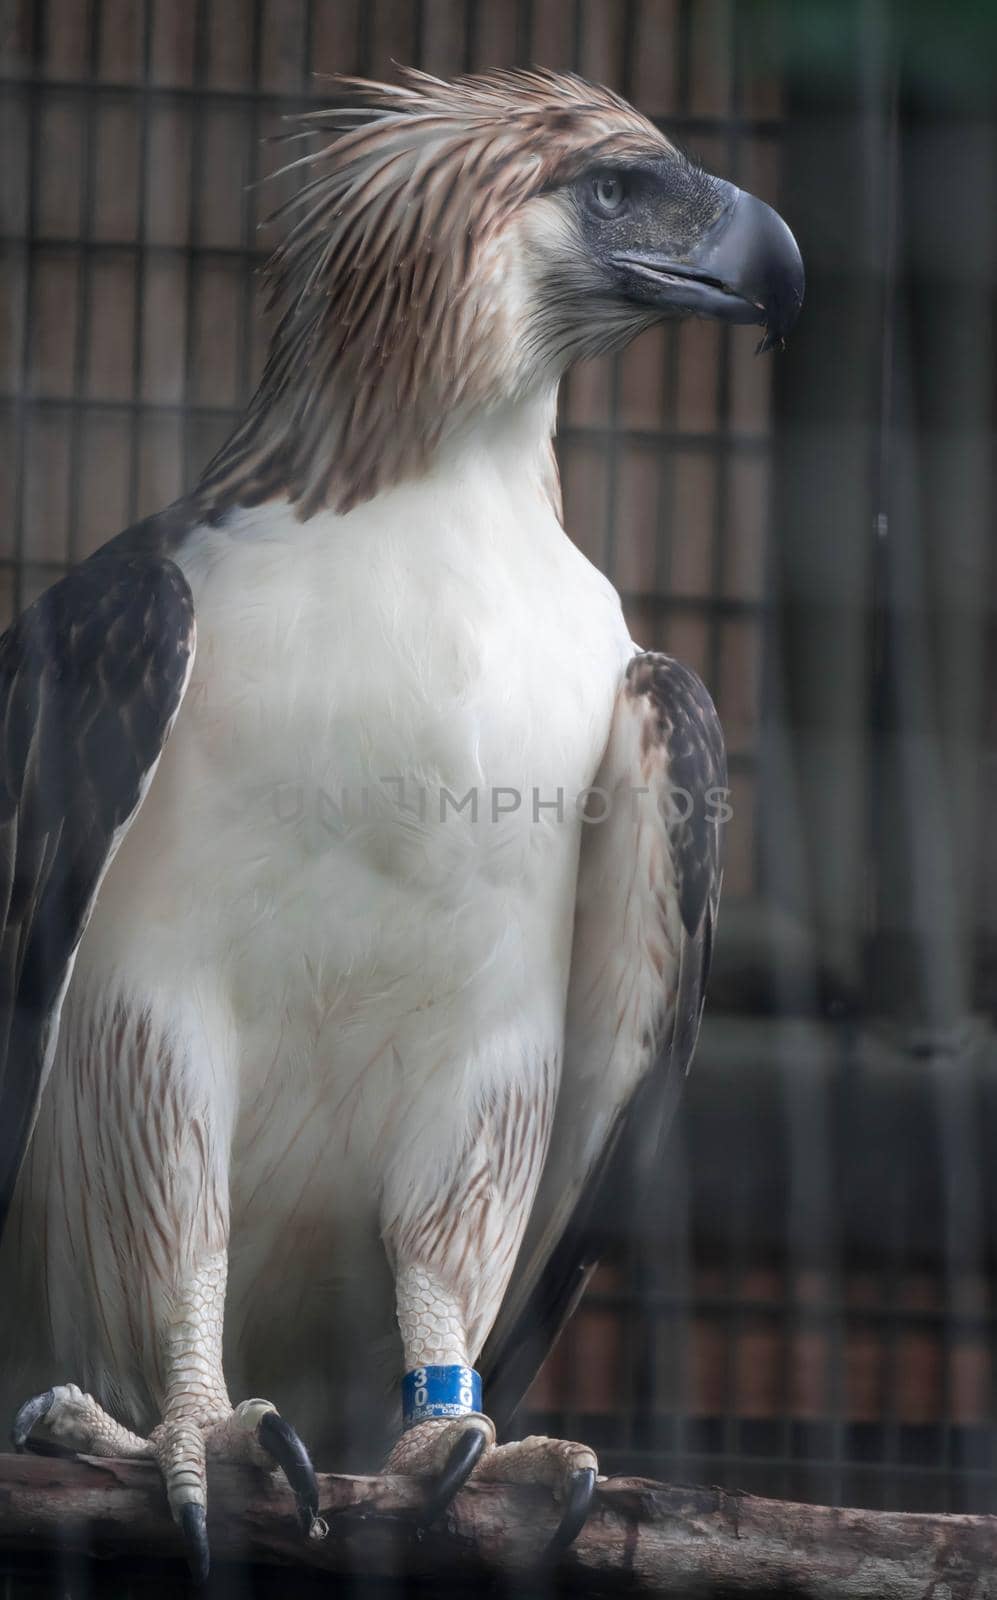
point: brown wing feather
(91, 677)
(649, 888)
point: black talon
(461, 1462)
(29, 1415)
(193, 1526)
(578, 1504)
(279, 1440)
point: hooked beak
(746, 268)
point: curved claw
(30, 1414)
(193, 1526)
(461, 1462)
(578, 1504)
(279, 1440)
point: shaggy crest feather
(393, 320)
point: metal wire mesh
(747, 1328)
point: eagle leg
(449, 1448)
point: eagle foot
(446, 1451)
(74, 1421)
(253, 1432)
(276, 1436)
(451, 1452)
(465, 1453)
(569, 1470)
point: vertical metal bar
(578, 32)
(879, 688)
(419, 34)
(722, 458)
(989, 1499)
(685, 1320)
(365, 36)
(639, 1319)
(572, 1375)
(82, 339)
(630, 16)
(888, 128)
(788, 1325)
(249, 207)
(137, 418)
(470, 34)
(892, 1281)
(804, 1130)
(190, 440)
(847, 1068)
(665, 517)
(736, 1257)
(24, 410)
(665, 513)
(307, 44)
(682, 1296)
(524, 33)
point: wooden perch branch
(643, 1538)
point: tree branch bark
(643, 1538)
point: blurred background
(805, 1301)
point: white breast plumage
(372, 945)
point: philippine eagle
(359, 873)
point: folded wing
(91, 677)
(648, 890)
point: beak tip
(770, 340)
(754, 252)
(771, 266)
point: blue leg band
(439, 1392)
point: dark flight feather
(91, 677)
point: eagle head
(457, 246)
(640, 234)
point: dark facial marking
(663, 203)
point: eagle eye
(607, 193)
